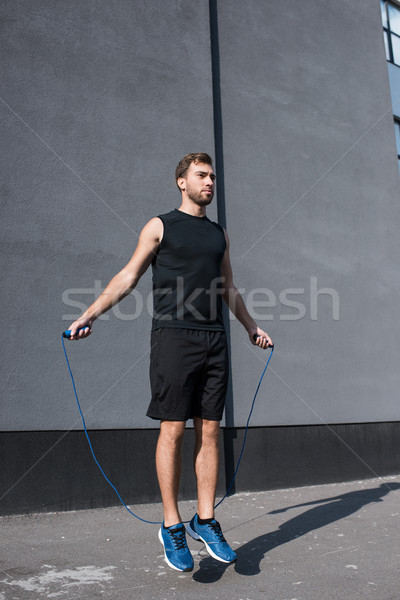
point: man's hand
(262, 338)
(78, 324)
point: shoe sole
(169, 563)
(198, 537)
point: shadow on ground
(328, 511)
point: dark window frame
(397, 122)
(389, 33)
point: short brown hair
(184, 164)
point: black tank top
(187, 281)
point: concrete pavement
(336, 541)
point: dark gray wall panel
(99, 102)
(54, 470)
(311, 186)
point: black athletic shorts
(189, 371)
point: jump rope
(67, 334)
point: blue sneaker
(176, 551)
(213, 538)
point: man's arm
(236, 304)
(124, 281)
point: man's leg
(206, 464)
(203, 526)
(172, 534)
(168, 464)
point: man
(189, 363)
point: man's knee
(172, 431)
(207, 431)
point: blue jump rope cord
(100, 467)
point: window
(391, 31)
(397, 130)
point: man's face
(199, 183)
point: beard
(198, 198)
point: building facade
(296, 102)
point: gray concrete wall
(312, 190)
(99, 102)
